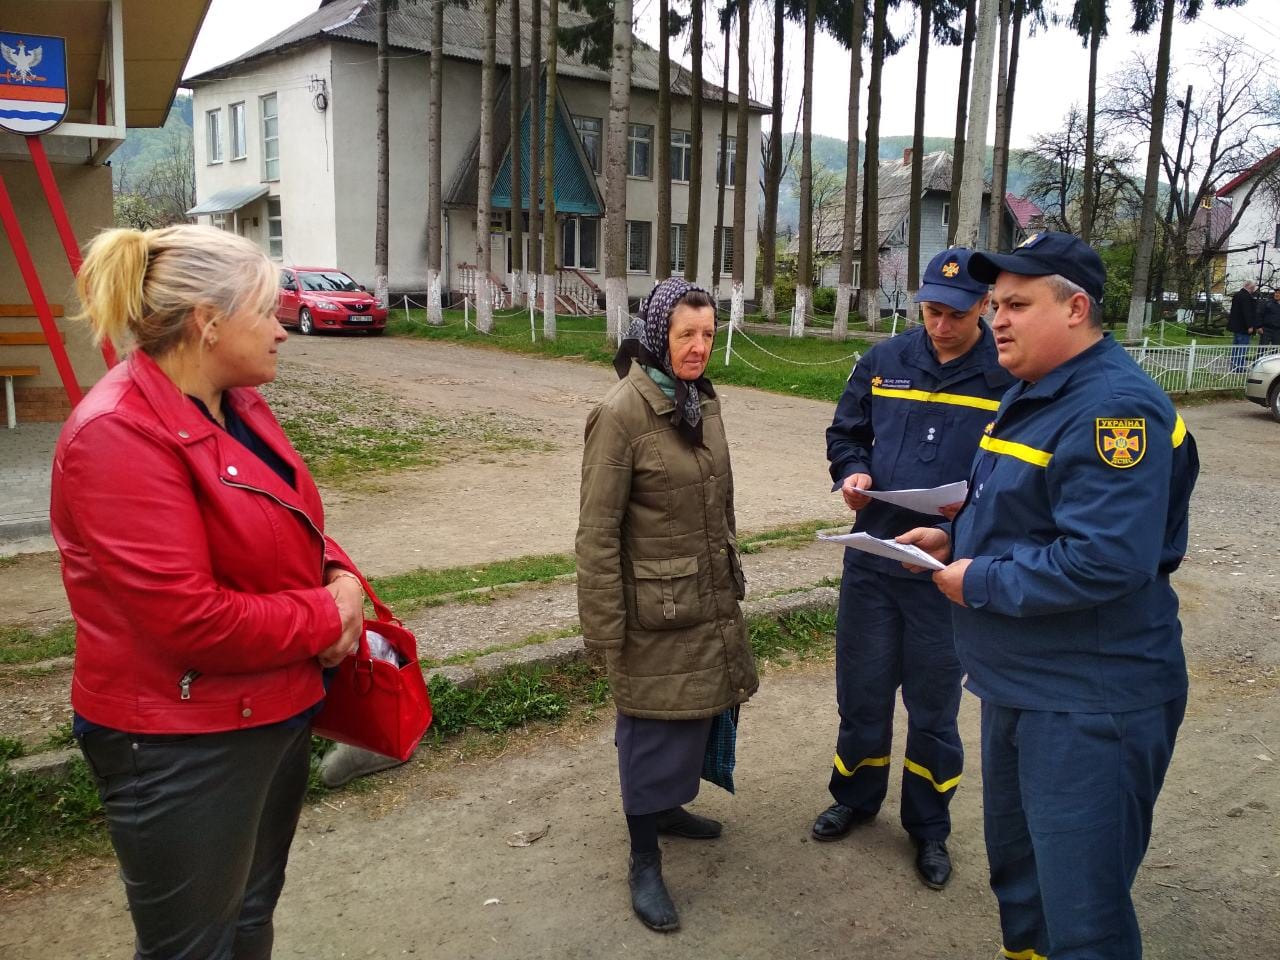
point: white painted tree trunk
(975, 150)
(547, 284)
(736, 306)
(804, 303)
(869, 307)
(484, 304)
(381, 289)
(435, 314)
(767, 303)
(840, 326)
(615, 305)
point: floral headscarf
(647, 341)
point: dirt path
(414, 868)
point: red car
(322, 298)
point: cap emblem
(950, 269)
(1030, 241)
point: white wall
(306, 185)
(1257, 223)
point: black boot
(679, 822)
(933, 863)
(649, 897)
(836, 821)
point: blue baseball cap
(947, 280)
(1042, 254)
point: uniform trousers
(202, 825)
(896, 632)
(1067, 806)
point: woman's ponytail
(110, 283)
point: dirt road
(408, 868)
(414, 868)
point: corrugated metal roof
(224, 201)
(409, 28)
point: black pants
(202, 826)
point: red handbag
(373, 704)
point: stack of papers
(923, 501)
(902, 552)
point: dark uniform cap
(947, 281)
(1042, 254)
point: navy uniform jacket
(1076, 517)
(911, 422)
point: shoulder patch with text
(892, 383)
(1121, 442)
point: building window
(726, 251)
(591, 133)
(730, 158)
(236, 118)
(275, 229)
(270, 138)
(679, 243)
(580, 243)
(681, 156)
(213, 135)
(219, 220)
(639, 149)
(638, 235)
(946, 214)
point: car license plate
(357, 318)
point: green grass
(46, 823)
(794, 536)
(419, 587)
(823, 365)
(10, 748)
(20, 644)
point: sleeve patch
(1121, 443)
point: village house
(1251, 250)
(285, 142)
(894, 182)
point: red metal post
(63, 223)
(27, 267)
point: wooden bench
(21, 338)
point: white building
(1252, 248)
(285, 141)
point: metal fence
(1196, 367)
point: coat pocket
(739, 578)
(667, 593)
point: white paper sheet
(923, 501)
(902, 552)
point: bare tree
(484, 185)
(548, 281)
(722, 157)
(962, 113)
(844, 284)
(970, 204)
(1057, 168)
(804, 258)
(516, 154)
(773, 171)
(693, 224)
(615, 268)
(870, 294)
(435, 103)
(535, 135)
(1089, 20)
(662, 242)
(740, 159)
(382, 226)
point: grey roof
(224, 201)
(409, 28)
(894, 180)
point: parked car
(323, 298)
(1262, 383)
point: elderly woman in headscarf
(659, 578)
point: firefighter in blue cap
(910, 417)
(1065, 620)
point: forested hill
(830, 153)
(143, 147)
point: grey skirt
(659, 762)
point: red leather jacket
(194, 572)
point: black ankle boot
(649, 897)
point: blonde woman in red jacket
(206, 596)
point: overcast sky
(1053, 65)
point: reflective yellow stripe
(1179, 433)
(1037, 458)
(924, 396)
(920, 771)
(868, 762)
(1022, 954)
